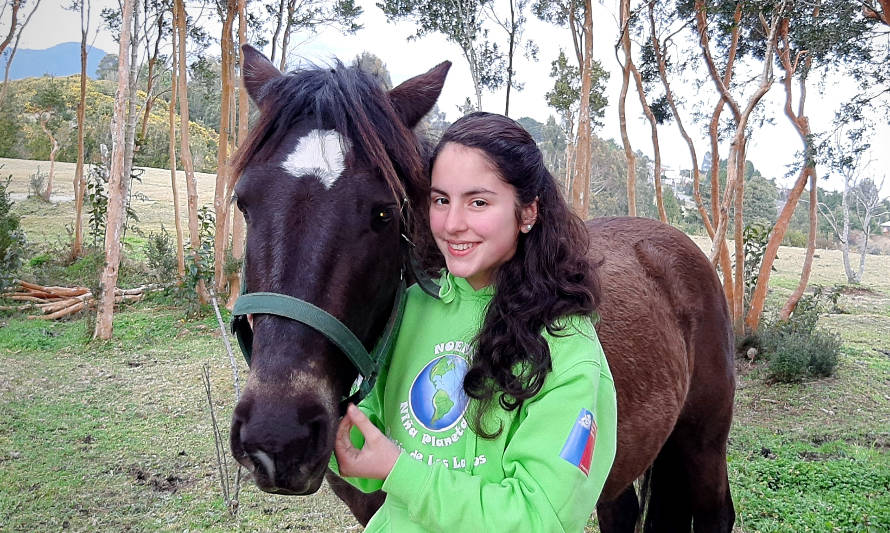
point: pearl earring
(528, 227)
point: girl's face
(473, 214)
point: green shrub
(797, 349)
(797, 356)
(796, 238)
(39, 260)
(12, 238)
(161, 254)
(756, 237)
(37, 184)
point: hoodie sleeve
(554, 464)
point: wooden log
(23, 307)
(23, 298)
(79, 306)
(56, 306)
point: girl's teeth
(459, 247)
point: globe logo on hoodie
(437, 397)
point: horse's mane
(354, 103)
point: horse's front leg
(363, 505)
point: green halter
(367, 364)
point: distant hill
(60, 60)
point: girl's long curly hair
(548, 278)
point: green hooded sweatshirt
(543, 472)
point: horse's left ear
(257, 71)
(415, 98)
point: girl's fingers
(361, 421)
(342, 442)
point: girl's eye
(479, 203)
(440, 200)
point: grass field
(114, 436)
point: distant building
(885, 228)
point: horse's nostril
(265, 463)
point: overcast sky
(772, 147)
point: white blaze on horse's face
(320, 153)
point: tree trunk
(16, 4)
(863, 250)
(171, 120)
(80, 183)
(624, 21)
(275, 35)
(186, 153)
(15, 47)
(802, 125)
(132, 115)
(238, 229)
(659, 196)
(738, 307)
(701, 24)
(48, 190)
(570, 165)
(581, 181)
(845, 235)
(108, 279)
(696, 173)
(221, 194)
(152, 62)
(791, 304)
(288, 24)
(512, 33)
(736, 164)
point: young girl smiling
(497, 411)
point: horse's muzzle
(285, 455)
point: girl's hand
(375, 460)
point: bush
(37, 184)
(795, 238)
(12, 238)
(161, 253)
(799, 356)
(796, 349)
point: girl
(497, 411)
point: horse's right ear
(257, 71)
(415, 98)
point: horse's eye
(240, 205)
(381, 217)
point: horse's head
(324, 177)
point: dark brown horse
(330, 177)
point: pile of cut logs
(59, 302)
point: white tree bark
(108, 279)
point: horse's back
(666, 332)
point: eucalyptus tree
(156, 29)
(813, 37)
(84, 8)
(50, 109)
(18, 28)
(461, 22)
(578, 17)
(629, 68)
(108, 278)
(12, 7)
(228, 11)
(238, 224)
(181, 28)
(513, 24)
(565, 98)
(291, 16)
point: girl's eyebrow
(471, 192)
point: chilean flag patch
(578, 448)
